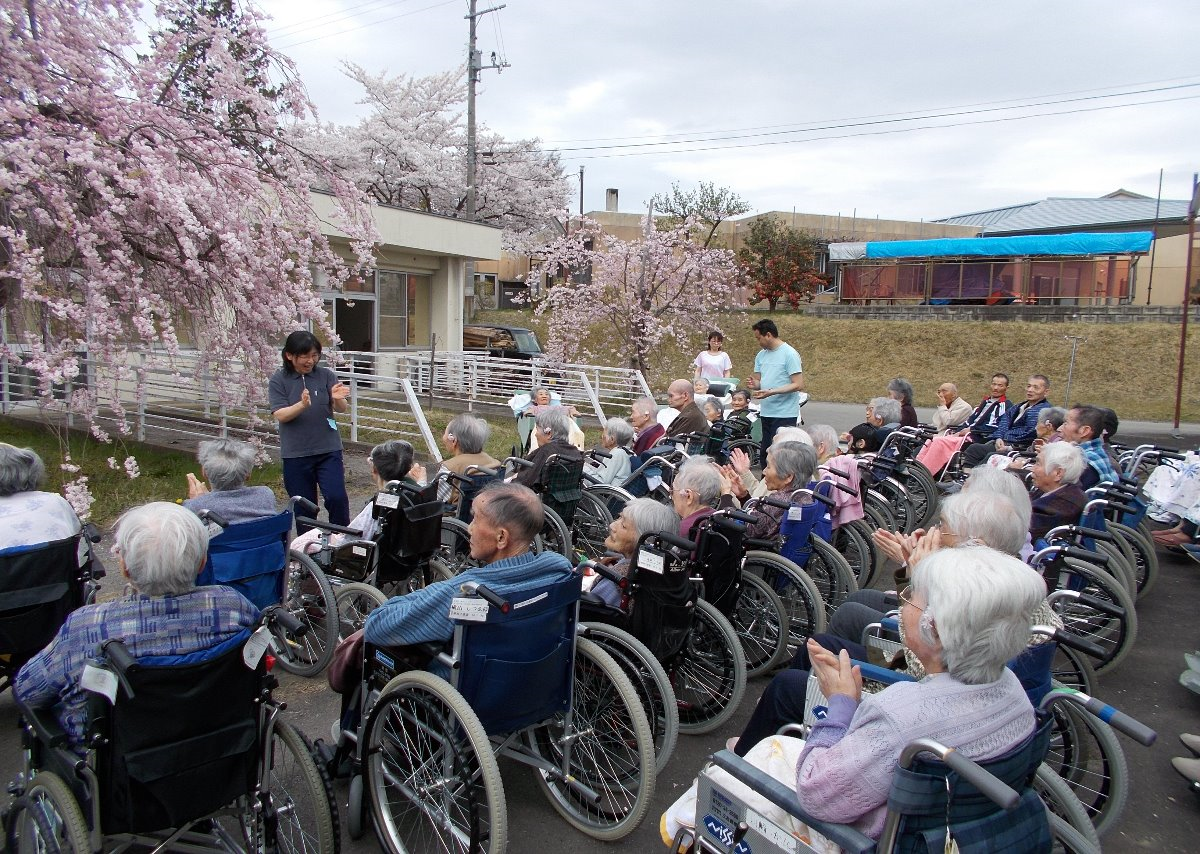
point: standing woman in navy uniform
(303, 398)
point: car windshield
(527, 342)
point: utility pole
(474, 67)
(581, 191)
(1193, 210)
(1075, 342)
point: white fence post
(353, 407)
(419, 414)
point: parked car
(507, 342)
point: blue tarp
(1060, 245)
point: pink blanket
(938, 451)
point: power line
(800, 126)
(345, 14)
(365, 25)
(877, 132)
(911, 118)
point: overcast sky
(622, 72)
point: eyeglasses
(905, 597)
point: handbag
(346, 667)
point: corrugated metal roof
(1064, 214)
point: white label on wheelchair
(650, 561)
(252, 652)
(771, 832)
(470, 610)
(387, 499)
(795, 514)
(99, 680)
(359, 551)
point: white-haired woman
(29, 517)
(616, 439)
(1057, 498)
(697, 488)
(964, 617)
(553, 429)
(226, 465)
(464, 437)
(641, 516)
(790, 466)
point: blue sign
(724, 834)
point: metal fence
(180, 397)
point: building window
(394, 298)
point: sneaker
(1164, 516)
(1193, 661)
(1190, 679)
(1191, 742)
(1189, 769)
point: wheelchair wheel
(760, 620)
(709, 674)
(46, 819)
(830, 573)
(310, 599)
(604, 743)
(1114, 634)
(554, 536)
(1072, 669)
(801, 600)
(1062, 804)
(877, 510)
(614, 497)
(454, 555)
(922, 493)
(354, 601)
(897, 498)
(1084, 751)
(1145, 558)
(752, 448)
(302, 803)
(589, 528)
(649, 680)
(1120, 565)
(1068, 840)
(432, 779)
(858, 551)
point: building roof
(1070, 214)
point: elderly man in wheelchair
(422, 750)
(964, 624)
(148, 719)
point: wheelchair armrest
(46, 728)
(328, 526)
(760, 544)
(783, 797)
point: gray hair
(903, 388)
(470, 431)
(546, 389)
(514, 507)
(226, 463)
(987, 518)
(823, 434)
(794, 459)
(649, 516)
(162, 547)
(554, 421)
(979, 602)
(21, 470)
(620, 431)
(392, 459)
(1003, 483)
(1056, 415)
(1065, 457)
(698, 475)
(886, 409)
(645, 405)
(715, 405)
(793, 434)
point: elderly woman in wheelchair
(226, 465)
(965, 616)
(149, 720)
(30, 517)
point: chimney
(610, 200)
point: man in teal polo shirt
(778, 379)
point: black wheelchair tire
(50, 799)
(307, 805)
(830, 572)
(713, 660)
(589, 528)
(761, 622)
(800, 597)
(312, 652)
(554, 536)
(356, 809)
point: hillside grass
(1128, 367)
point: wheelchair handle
(775, 502)
(121, 661)
(1083, 554)
(606, 571)
(1110, 608)
(328, 526)
(519, 461)
(846, 489)
(1092, 533)
(1115, 718)
(997, 791)
(740, 515)
(491, 598)
(834, 472)
(760, 543)
(1065, 638)
(675, 540)
(214, 517)
(299, 501)
(277, 615)
(91, 533)
(597, 452)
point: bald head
(948, 392)
(680, 394)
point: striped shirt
(147, 625)
(423, 616)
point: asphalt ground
(1161, 815)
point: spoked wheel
(830, 572)
(310, 599)
(454, 554)
(1062, 804)
(432, 779)
(1115, 634)
(1084, 751)
(880, 513)
(1068, 840)
(554, 536)
(761, 621)
(897, 499)
(46, 819)
(603, 744)
(1145, 558)
(801, 600)
(354, 601)
(614, 497)
(1073, 669)
(589, 529)
(302, 803)
(858, 550)
(709, 673)
(922, 492)
(649, 680)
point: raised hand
(341, 391)
(305, 399)
(196, 487)
(739, 460)
(835, 673)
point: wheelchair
(254, 559)
(39, 586)
(181, 753)
(424, 757)
(853, 538)
(403, 555)
(698, 648)
(561, 490)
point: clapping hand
(739, 460)
(196, 487)
(341, 391)
(835, 673)
(305, 398)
